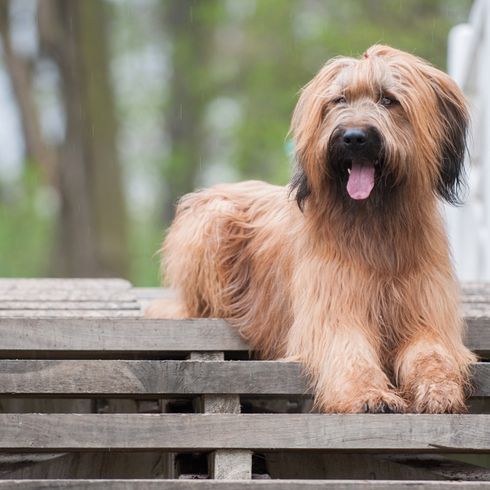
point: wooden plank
(130, 335)
(67, 298)
(477, 336)
(44, 284)
(70, 314)
(116, 335)
(192, 432)
(476, 291)
(141, 464)
(440, 467)
(307, 465)
(94, 378)
(477, 310)
(94, 294)
(229, 464)
(481, 380)
(240, 485)
(471, 293)
(68, 305)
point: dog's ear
(305, 131)
(300, 186)
(454, 125)
(306, 128)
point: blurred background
(112, 109)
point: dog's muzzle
(358, 151)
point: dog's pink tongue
(361, 181)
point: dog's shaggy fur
(347, 270)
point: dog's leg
(433, 365)
(333, 334)
(345, 370)
(431, 376)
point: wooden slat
(185, 432)
(240, 485)
(476, 292)
(67, 298)
(475, 298)
(471, 291)
(54, 294)
(55, 336)
(130, 335)
(70, 314)
(45, 284)
(146, 378)
(68, 305)
(478, 335)
(319, 465)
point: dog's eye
(387, 101)
(339, 100)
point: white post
(469, 64)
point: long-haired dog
(347, 270)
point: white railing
(469, 65)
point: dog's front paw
(382, 402)
(371, 401)
(429, 396)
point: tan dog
(347, 270)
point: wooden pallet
(96, 400)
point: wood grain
(191, 432)
(146, 378)
(45, 284)
(134, 335)
(240, 485)
(68, 305)
(57, 335)
(70, 314)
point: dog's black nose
(355, 138)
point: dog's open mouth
(361, 180)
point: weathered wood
(68, 305)
(95, 294)
(140, 464)
(441, 467)
(70, 314)
(155, 378)
(57, 335)
(469, 290)
(240, 485)
(475, 297)
(295, 465)
(362, 433)
(96, 336)
(475, 291)
(67, 298)
(476, 309)
(231, 464)
(45, 284)
(477, 336)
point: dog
(347, 270)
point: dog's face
(372, 126)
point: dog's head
(374, 125)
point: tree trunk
(189, 37)
(19, 71)
(92, 231)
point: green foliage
(145, 239)
(208, 97)
(26, 227)
(285, 43)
